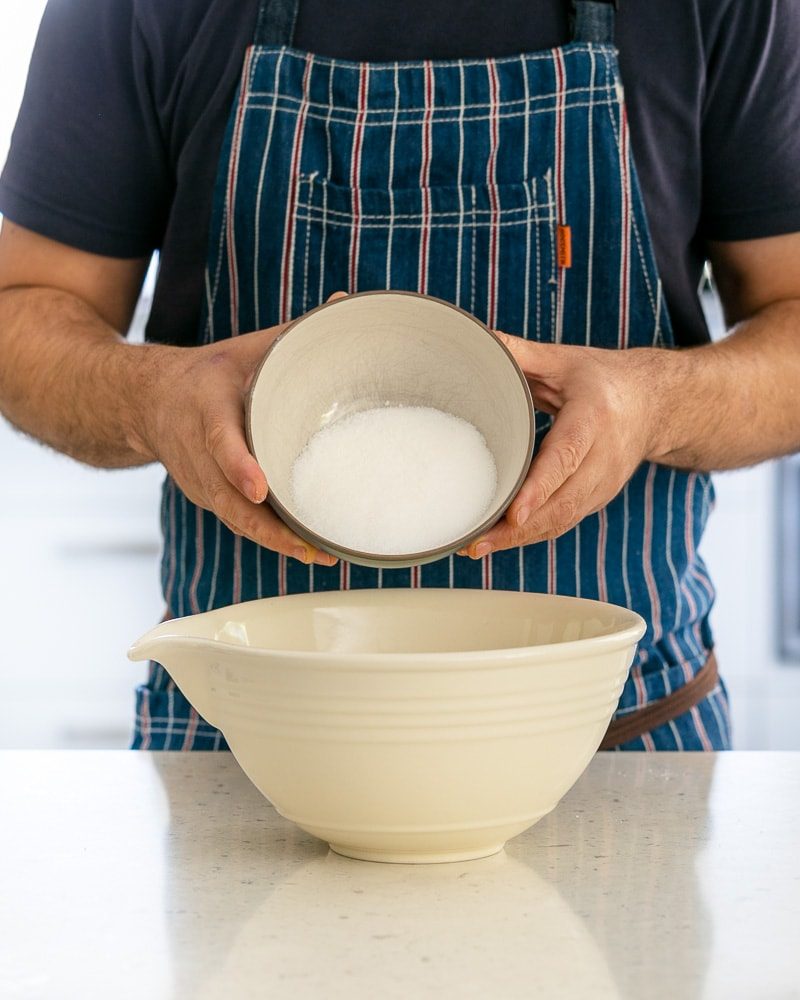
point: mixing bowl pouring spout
(162, 643)
(182, 648)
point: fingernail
(324, 559)
(522, 515)
(305, 553)
(254, 491)
(482, 549)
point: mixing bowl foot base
(412, 858)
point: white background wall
(79, 567)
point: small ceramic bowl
(400, 348)
(406, 725)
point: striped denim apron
(457, 178)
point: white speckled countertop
(169, 876)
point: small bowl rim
(393, 559)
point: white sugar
(396, 479)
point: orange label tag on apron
(564, 246)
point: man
(475, 152)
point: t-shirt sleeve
(751, 119)
(87, 164)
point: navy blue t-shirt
(116, 146)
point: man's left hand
(606, 409)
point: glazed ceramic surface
(406, 725)
(399, 348)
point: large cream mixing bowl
(406, 725)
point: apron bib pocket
(488, 248)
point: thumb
(251, 349)
(545, 366)
(534, 358)
(260, 341)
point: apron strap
(276, 21)
(659, 713)
(593, 20)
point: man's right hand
(192, 421)
(68, 378)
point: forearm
(69, 379)
(733, 403)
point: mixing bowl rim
(429, 660)
(390, 559)
(628, 635)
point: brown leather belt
(664, 710)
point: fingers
(223, 426)
(583, 494)
(254, 521)
(233, 482)
(199, 437)
(237, 488)
(250, 348)
(225, 442)
(565, 508)
(561, 488)
(563, 450)
(546, 368)
(592, 449)
(536, 359)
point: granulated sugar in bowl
(393, 428)
(423, 476)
